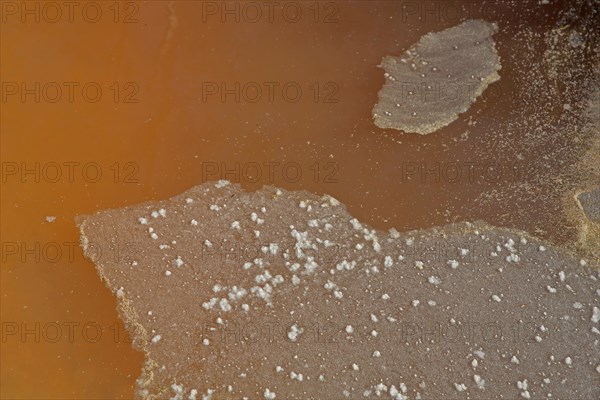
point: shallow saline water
(119, 103)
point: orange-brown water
(164, 123)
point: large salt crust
(277, 294)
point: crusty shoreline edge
(125, 311)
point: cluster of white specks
(394, 234)
(224, 305)
(153, 234)
(569, 361)
(398, 394)
(371, 236)
(263, 292)
(595, 315)
(236, 293)
(523, 385)
(385, 296)
(380, 389)
(178, 262)
(143, 221)
(156, 339)
(268, 395)
(376, 354)
(345, 265)
(461, 387)
(235, 225)
(388, 262)
(120, 292)
(194, 222)
(550, 289)
(205, 342)
(263, 278)
(337, 293)
(214, 207)
(415, 303)
(189, 200)
(160, 213)
(298, 377)
(221, 183)
(434, 280)
(332, 201)
(514, 360)
(512, 257)
(355, 367)
(496, 298)
(254, 217)
(294, 332)
(419, 264)
(179, 391)
(168, 273)
(479, 382)
(208, 243)
(453, 264)
(349, 329)
(355, 224)
(210, 304)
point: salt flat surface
(438, 78)
(284, 295)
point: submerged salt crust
(298, 300)
(438, 78)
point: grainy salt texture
(590, 203)
(331, 322)
(438, 78)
